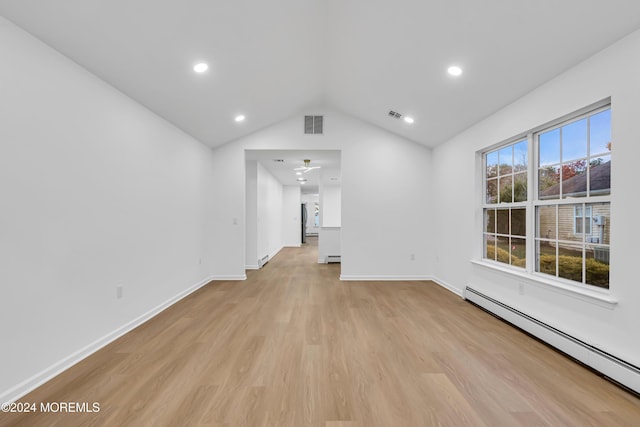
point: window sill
(601, 298)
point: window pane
(570, 263)
(574, 140)
(587, 220)
(518, 252)
(574, 179)
(490, 221)
(492, 164)
(567, 220)
(503, 221)
(492, 190)
(520, 187)
(600, 176)
(549, 147)
(549, 183)
(506, 189)
(597, 265)
(489, 247)
(520, 156)
(546, 252)
(506, 160)
(502, 249)
(600, 223)
(546, 222)
(518, 222)
(600, 132)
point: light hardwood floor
(294, 346)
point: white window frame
(505, 205)
(532, 203)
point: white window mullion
(532, 189)
(584, 242)
(588, 165)
(557, 246)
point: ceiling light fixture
(298, 173)
(200, 68)
(240, 118)
(409, 119)
(454, 70)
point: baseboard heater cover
(333, 258)
(610, 366)
(262, 261)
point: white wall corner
(448, 286)
(57, 368)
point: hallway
(294, 346)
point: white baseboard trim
(448, 286)
(252, 267)
(276, 252)
(229, 277)
(378, 278)
(57, 368)
(606, 363)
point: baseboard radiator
(610, 366)
(262, 261)
(332, 258)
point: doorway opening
(293, 198)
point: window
(582, 222)
(506, 186)
(565, 192)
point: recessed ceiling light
(200, 68)
(454, 70)
(409, 119)
(298, 173)
(240, 118)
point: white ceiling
(270, 60)
(328, 160)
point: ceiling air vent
(313, 124)
(394, 114)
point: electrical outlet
(412, 257)
(200, 261)
(521, 288)
(119, 291)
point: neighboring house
(576, 220)
(576, 186)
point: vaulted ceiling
(272, 59)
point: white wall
(385, 203)
(272, 214)
(251, 214)
(330, 205)
(269, 213)
(291, 225)
(613, 72)
(96, 192)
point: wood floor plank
(294, 346)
